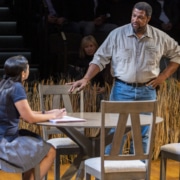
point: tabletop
(93, 120)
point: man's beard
(141, 29)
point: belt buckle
(135, 84)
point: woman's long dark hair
(13, 68)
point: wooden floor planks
(172, 172)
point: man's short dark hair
(144, 7)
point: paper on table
(67, 119)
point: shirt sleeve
(103, 55)
(18, 92)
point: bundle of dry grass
(168, 108)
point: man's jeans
(123, 92)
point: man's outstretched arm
(80, 84)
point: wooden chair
(168, 151)
(36, 171)
(116, 166)
(59, 94)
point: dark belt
(132, 84)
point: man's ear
(148, 19)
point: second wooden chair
(57, 96)
(116, 165)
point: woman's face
(90, 49)
(25, 74)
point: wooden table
(90, 146)
(93, 120)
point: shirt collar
(130, 31)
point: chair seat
(116, 166)
(171, 148)
(62, 143)
(168, 151)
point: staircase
(12, 41)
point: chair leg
(87, 176)
(163, 164)
(57, 167)
(22, 176)
(179, 170)
(46, 177)
(37, 172)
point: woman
(87, 50)
(22, 149)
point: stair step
(5, 14)
(34, 68)
(8, 27)
(13, 41)
(5, 55)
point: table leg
(77, 167)
(84, 142)
(108, 140)
(86, 145)
(96, 143)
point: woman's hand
(59, 113)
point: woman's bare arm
(30, 116)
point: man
(134, 51)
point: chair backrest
(128, 110)
(57, 96)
